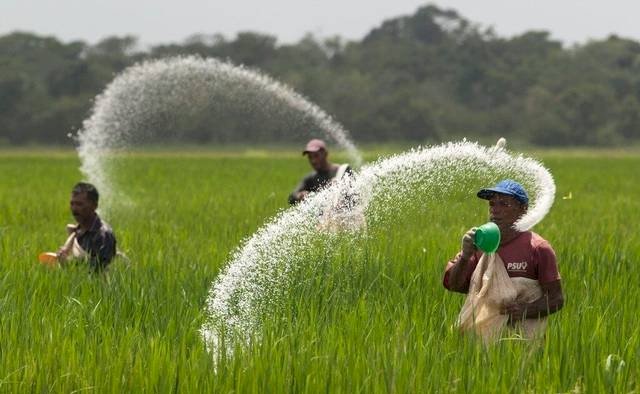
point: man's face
(82, 208)
(505, 210)
(318, 160)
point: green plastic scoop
(487, 237)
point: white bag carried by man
(490, 289)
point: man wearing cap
(525, 255)
(324, 171)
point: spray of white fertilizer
(260, 271)
(149, 96)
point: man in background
(90, 239)
(324, 171)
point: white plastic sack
(490, 289)
(71, 245)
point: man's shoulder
(340, 169)
(537, 239)
(310, 176)
(539, 243)
(529, 239)
(105, 228)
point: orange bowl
(48, 258)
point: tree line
(428, 77)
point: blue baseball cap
(508, 187)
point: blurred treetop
(428, 77)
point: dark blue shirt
(99, 242)
(315, 181)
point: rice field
(370, 317)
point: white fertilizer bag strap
(67, 247)
(77, 251)
(341, 171)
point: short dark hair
(85, 187)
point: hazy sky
(165, 21)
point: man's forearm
(292, 198)
(457, 275)
(541, 307)
(297, 195)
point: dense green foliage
(431, 76)
(372, 318)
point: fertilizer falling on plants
(147, 96)
(260, 271)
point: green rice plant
(366, 314)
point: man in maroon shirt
(525, 254)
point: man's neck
(327, 168)
(87, 224)
(509, 235)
